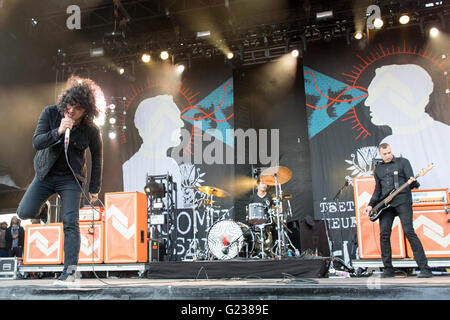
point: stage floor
(373, 288)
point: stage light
(164, 55)
(434, 32)
(155, 189)
(180, 68)
(404, 19)
(112, 135)
(97, 52)
(378, 23)
(112, 106)
(112, 120)
(324, 15)
(121, 70)
(358, 35)
(146, 58)
(230, 55)
(34, 22)
(295, 53)
(203, 34)
(100, 120)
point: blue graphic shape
(208, 105)
(319, 119)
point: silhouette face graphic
(398, 95)
(158, 122)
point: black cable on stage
(66, 147)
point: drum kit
(228, 239)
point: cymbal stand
(209, 223)
(194, 245)
(280, 243)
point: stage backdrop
(392, 90)
(177, 124)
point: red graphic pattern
(353, 77)
(191, 102)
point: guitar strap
(396, 184)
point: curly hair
(81, 92)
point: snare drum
(256, 213)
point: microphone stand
(336, 199)
(227, 247)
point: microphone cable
(66, 147)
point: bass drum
(228, 239)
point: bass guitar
(376, 211)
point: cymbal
(213, 191)
(283, 175)
(286, 196)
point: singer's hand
(93, 197)
(367, 210)
(65, 123)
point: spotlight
(324, 15)
(97, 52)
(164, 55)
(295, 53)
(358, 35)
(157, 190)
(112, 120)
(121, 70)
(203, 34)
(180, 68)
(404, 19)
(34, 22)
(434, 32)
(145, 58)
(112, 135)
(378, 23)
(230, 55)
(112, 106)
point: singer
(72, 116)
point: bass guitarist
(391, 173)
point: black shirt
(50, 148)
(266, 200)
(384, 181)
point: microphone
(346, 184)
(225, 250)
(67, 138)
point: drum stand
(194, 245)
(279, 243)
(262, 239)
(209, 223)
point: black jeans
(69, 191)
(404, 212)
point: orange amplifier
(430, 197)
(432, 227)
(89, 213)
(126, 227)
(43, 244)
(92, 242)
(369, 232)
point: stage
(287, 288)
(304, 278)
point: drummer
(261, 196)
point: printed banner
(394, 91)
